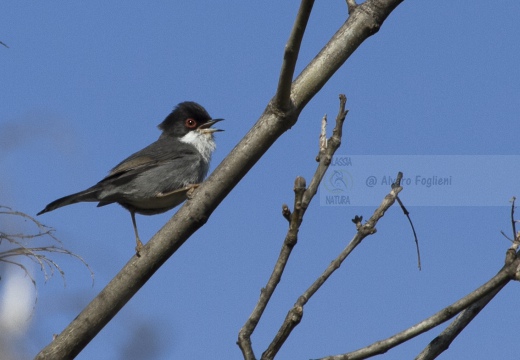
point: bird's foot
(138, 247)
(191, 190)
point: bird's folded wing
(130, 164)
(157, 153)
(174, 192)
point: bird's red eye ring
(190, 123)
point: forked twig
(295, 315)
(468, 307)
(302, 199)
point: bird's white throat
(204, 143)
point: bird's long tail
(90, 194)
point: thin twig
(496, 283)
(507, 237)
(407, 213)
(446, 337)
(244, 336)
(325, 157)
(38, 254)
(282, 99)
(442, 342)
(295, 314)
(514, 241)
(301, 202)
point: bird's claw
(191, 190)
(138, 247)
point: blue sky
(82, 86)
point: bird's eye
(190, 123)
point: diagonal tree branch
(441, 343)
(302, 199)
(364, 22)
(507, 273)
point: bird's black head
(187, 116)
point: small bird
(163, 174)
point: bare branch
(325, 155)
(445, 338)
(513, 222)
(300, 206)
(24, 269)
(295, 314)
(351, 6)
(244, 336)
(489, 288)
(282, 99)
(42, 229)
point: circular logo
(338, 181)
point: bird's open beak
(206, 127)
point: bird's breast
(204, 143)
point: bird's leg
(139, 244)
(191, 189)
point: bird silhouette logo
(339, 182)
